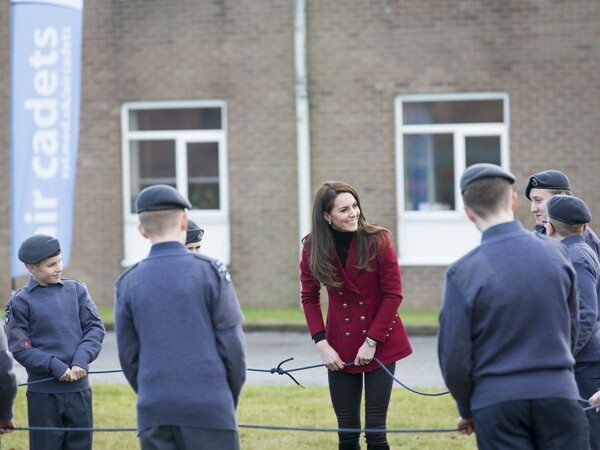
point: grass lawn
(295, 316)
(114, 407)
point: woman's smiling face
(344, 214)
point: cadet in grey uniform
(541, 187)
(506, 337)
(179, 335)
(193, 237)
(54, 330)
(568, 217)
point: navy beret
(483, 170)
(568, 209)
(37, 248)
(194, 232)
(548, 179)
(160, 197)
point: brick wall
(243, 54)
(361, 55)
(543, 54)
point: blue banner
(45, 72)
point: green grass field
(295, 316)
(114, 407)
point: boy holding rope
(54, 329)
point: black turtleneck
(342, 244)
(342, 247)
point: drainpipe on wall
(302, 119)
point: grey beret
(160, 197)
(568, 209)
(483, 170)
(194, 232)
(37, 248)
(548, 179)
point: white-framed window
(437, 137)
(182, 144)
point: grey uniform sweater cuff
(57, 367)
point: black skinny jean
(346, 393)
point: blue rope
(279, 370)
(71, 429)
(352, 430)
(43, 380)
(259, 427)
(427, 394)
(588, 408)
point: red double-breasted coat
(365, 305)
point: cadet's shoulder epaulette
(221, 269)
(126, 271)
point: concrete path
(267, 349)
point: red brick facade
(361, 54)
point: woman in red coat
(357, 263)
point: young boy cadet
(179, 335)
(193, 237)
(541, 187)
(567, 220)
(505, 337)
(54, 330)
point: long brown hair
(320, 242)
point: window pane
(482, 149)
(203, 175)
(467, 111)
(175, 119)
(429, 172)
(152, 162)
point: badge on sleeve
(222, 269)
(6, 313)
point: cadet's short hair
(487, 195)
(159, 222)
